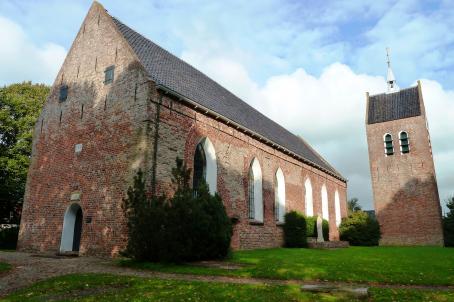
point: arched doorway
(72, 229)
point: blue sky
(306, 64)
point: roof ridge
(390, 93)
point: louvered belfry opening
(389, 147)
(404, 142)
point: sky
(305, 64)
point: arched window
(308, 198)
(205, 165)
(325, 208)
(279, 196)
(337, 208)
(404, 142)
(389, 146)
(255, 191)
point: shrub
(295, 230)
(311, 223)
(8, 237)
(448, 223)
(360, 229)
(185, 227)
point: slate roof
(173, 73)
(394, 106)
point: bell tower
(403, 176)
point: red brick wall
(117, 131)
(404, 185)
(113, 131)
(182, 128)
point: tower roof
(390, 79)
(394, 106)
(174, 74)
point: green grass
(393, 265)
(4, 267)
(406, 295)
(94, 287)
(99, 288)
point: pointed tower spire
(390, 79)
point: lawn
(392, 265)
(93, 287)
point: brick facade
(131, 124)
(404, 184)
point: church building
(121, 103)
(404, 183)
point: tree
(20, 105)
(360, 229)
(353, 205)
(186, 227)
(448, 223)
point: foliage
(97, 287)
(353, 206)
(20, 105)
(380, 264)
(311, 223)
(448, 223)
(360, 229)
(4, 267)
(8, 237)
(185, 227)
(295, 230)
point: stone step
(359, 292)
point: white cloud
(22, 60)
(329, 111)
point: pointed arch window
(255, 202)
(205, 166)
(279, 196)
(308, 200)
(404, 142)
(389, 145)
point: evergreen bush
(360, 229)
(187, 227)
(295, 230)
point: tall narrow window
(205, 165)
(279, 196)
(109, 74)
(389, 146)
(308, 200)
(255, 192)
(199, 167)
(404, 142)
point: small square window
(109, 75)
(63, 93)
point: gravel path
(30, 268)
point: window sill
(280, 223)
(255, 222)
